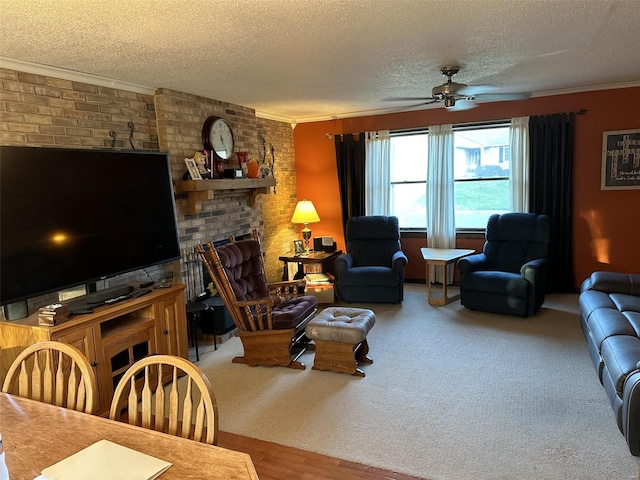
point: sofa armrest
(631, 412)
(471, 263)
(613, 282)
(398, 261)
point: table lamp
(305, 213)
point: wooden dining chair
(168, 408)
(56, 373)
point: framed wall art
(620, 160)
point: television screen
(70, 217)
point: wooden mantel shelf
(199, 190)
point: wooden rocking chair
(270, 318)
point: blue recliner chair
(510, 276)
(372, 270)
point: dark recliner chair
(509, 277)
(372, 270)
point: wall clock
(217, 137)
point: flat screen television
(70, 217)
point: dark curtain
(350, 162)
(551, 191)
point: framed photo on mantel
(192, 167)
(620, 160)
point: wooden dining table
(37, 435)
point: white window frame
(456, 128)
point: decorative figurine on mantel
(253, 169)
(201, 162)
(266, 168)
(265, 171)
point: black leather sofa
(610, 319)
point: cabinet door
(124, 352)
(83, 339)
(171, 316)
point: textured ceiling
(302, 60)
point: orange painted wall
(606, 223)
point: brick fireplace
(52, 110)
(179, 118)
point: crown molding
(586, 88)
(74, 76)
(277, 118)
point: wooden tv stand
(113, 337)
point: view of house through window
(482, 162)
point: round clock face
(218, 136)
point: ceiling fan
(450, 93)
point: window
(408, 179)
(481, 175)
(481, 171)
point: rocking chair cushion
(241, 262)
(290, 312)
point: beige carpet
(452, 395)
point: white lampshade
(305, 213)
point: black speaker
(216, 318)
(318, 247)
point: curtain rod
(331, 135)
(582, 111)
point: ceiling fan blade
(405, 108)
(497, 97)
(472, 90)
(462, 105)
(408, 99)
(413, 106)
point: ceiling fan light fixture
(449, 88)
(449, 102)
(450, 93)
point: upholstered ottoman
(340, 336)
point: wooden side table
(441, 257)
(326, 259)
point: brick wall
(44, 110)
(180, 117)
(279, 232)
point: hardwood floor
(277, 462)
